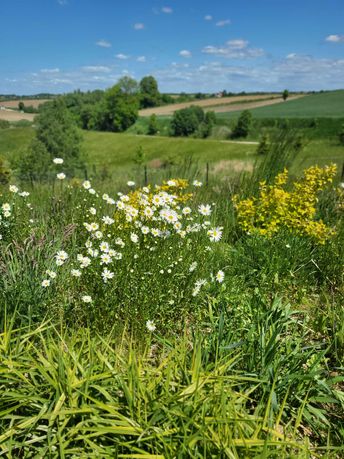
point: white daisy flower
(61, 176)
(220, 275)
(45, 283)
(204, 209)
(86, 184)
(150, 325)
(58, 161)
(75, 272)
(215, 234)
(13, 189)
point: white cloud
(96, 69)
(103, 44)
(185, 53)
(223, 23)
(208, 17)
(335, 38)
(237, 44)
(56, 70)
(167, 10)
(234, 49)
(141, 59)
(139, 26)
(62, 2)
(122, 56)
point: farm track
(219, 105)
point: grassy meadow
(165, 317)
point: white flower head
(58, 161)
(215, 234)
(197, 183)
(131, 183)
(150, 325)
(86, 299)
(45, 283)
(220, 275)
(13, 189)
(61, 176)
(204, 209)
(86, 184)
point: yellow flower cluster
(294, 210)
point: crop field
(219, 104)
(321, 105)
(14, 115)
(14, 103)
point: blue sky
(188, 45)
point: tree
(128, 85)
(264, 145)
(285, 94)
(119, 109)
(21, 106)
(35, 163)
(153, 125)
(206, 126)
(149, 92)
(243, 125)
(58, 133)
(186, 121)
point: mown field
(111, 152)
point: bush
(187, 121)
(243, 125)
(153, 125)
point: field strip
(27, 102)
(14, 115)
(219, 105)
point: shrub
(276, 209)
(243, 125)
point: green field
(110, 151)
(326, 104)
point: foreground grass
(76, 394)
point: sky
(59, 46)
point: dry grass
(220, 105)
(13, 115)
(27, 102)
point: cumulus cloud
(56, 70)
(141, 59)
(208, 17)
(167, 10)
(223, 23)
(103, 44)
(185, 53)
(96, 69)
(234, 49)
(335, 38)
(139, 26)
(122, 56)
